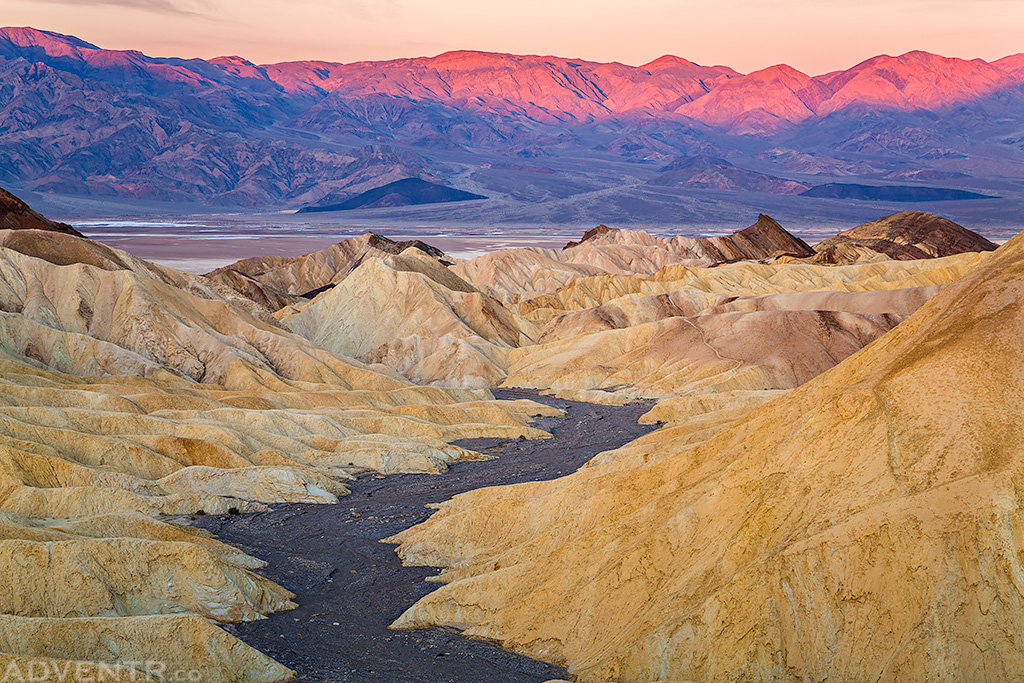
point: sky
(815, 36)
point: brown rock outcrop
(273, 280)
(764, 239)
(17, 215)
(588, 235)
(903, 236)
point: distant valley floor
(201, 242)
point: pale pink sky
(814, 36)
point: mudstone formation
(832, 495)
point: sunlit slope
(741, 326)
(412, 314)
(514, 275)
(865, 526)
(128, 390)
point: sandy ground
(349, 586)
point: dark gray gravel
(349, 586)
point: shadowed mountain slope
(17, 215)
(718, 174)
(892, 193)
(405, 192)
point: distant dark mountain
(366, 168)
(76, 119)
(407, 192)
(891, 193)
(711, 173)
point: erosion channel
(350, 587)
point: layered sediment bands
(764, 239)
(519, 274)
(67, 250)
(626, 312)
(741, 326)
(749, 279)
(472, 324)
(414, 315)
(904, 236)
(863, 526)
(71, 447)
(130, 390)
(630, 311)
(773, 349)
(429, 323)
(52, 313)
(251, 288)
(283, 278)
(509, 274)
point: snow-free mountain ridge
(76, 119)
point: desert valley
(504, 368)
(481, 139)
(807, 445)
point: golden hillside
(129, 390)
(865, 526)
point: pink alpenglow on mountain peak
(557, 90)
(762, 100)
(915, 80)
(1013, 65)
(778, 96)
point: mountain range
(79, 120)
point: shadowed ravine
(349, 586)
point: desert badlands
(828, 485)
